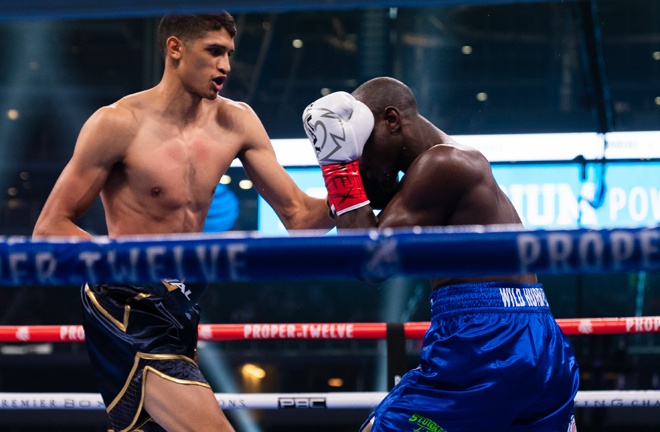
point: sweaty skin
(155, 158)
(444, 183)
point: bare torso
(156, 158)
(166, 179)
(451, 185)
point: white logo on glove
(319, 126)
(338, 126)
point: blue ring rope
(372, 255)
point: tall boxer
(155, 158)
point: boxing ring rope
(371, 255)
(315, 331)
(334, 400)
(326, 331)
(414, 252)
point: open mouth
(219, 80)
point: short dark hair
(191, 27)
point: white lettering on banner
(177, 253)
(643, 324)
(291, 331)
(640, 203)
(160, 262)
(548, 204)
(617, 201)
(560, 247)
(209, 267)
(89, 258)
(551, 251)
(45, 264)
(328, 331)
(121, 272)
(72, 333)
(17, 263)
(266, 331)
(654, 195)
(623, 246)
(591, 251)
(234, 258)
(592, 248)
(649, 241)
(529, 251)
(536, 194)
(155, 268)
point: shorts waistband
(493, 296)
(176, 295)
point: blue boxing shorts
(493, 360)
(131, 331)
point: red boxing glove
(344, 185)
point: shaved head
(382, 92)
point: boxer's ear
(173, 47)
(392, 117)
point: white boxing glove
(338, 125)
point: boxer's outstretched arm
(296, 209)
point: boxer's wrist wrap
(344, 185)
(331, 211)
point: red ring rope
(327, 331)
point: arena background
(479, 68)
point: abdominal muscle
(165, 213)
